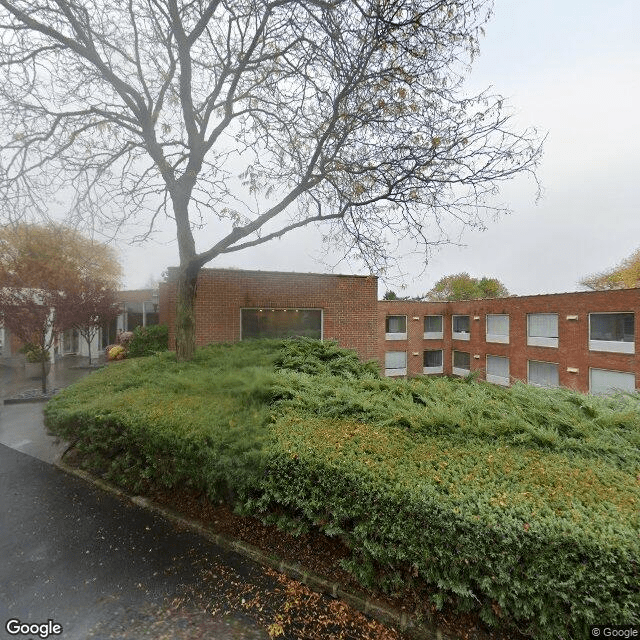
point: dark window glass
(396, 324)
(615, 327)
(461, 360)
(461, 324)
(433, 358)
(433, 324)
(281, 323)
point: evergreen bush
(520, 503)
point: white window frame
(460, 335)
(396, 335)
(612, 346)
(457, 371)
(542, 341)
(433, 370)
(612, 389)
(497, 337)
(434, 335)
(542, 386)
(396, 371)
(495, 379)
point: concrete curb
(360, 601)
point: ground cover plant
(522, 504)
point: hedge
(521, 503)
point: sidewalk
(22, 424)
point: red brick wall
(573, 345)
(349, 304)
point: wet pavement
(95, 564)
(102, 567)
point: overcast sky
(571, 69)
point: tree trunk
(185, 313)
(43, 365)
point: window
(461, 363)
(280, 323)
(433, 327)
(542, 329)
(543, 374)
(396, 328)
(612, 332)
(395, 363)
(498, 370)
(432, 361)
(604, 382)
(498, 328)
(460, 325)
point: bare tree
(343, 112)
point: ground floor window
(432, 361)
(395, 363)
(498, 370)
(543, 374)
(605, 382)
(280, 323)
(461, 363)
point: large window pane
(433, 324)
(395, 363)
(396, 324)
(603, 381)
(543, 374)
(543, 325)
(461, 324)
(281, 323)
(498, 370)
(542, 329)
(462, 360)
(498, 328)
(433, 358)
(612, 326)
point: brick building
(584, 341)
(232, 304)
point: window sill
(501, 380)
(499, 339)
(612, 346)
(429, 371)
(461, 372)
(542, 342)
(433, 335)
(461, 336)
(395, 336)
(392, 373)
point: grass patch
(520, 503)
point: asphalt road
(101, 567)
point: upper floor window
(395, 328)
(461, 327)
(498, 328)
(612, 332)
(432, 361)
(542, 329)
(395, 363)
(461, 363)
(433, 328)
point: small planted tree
(43, 270)
(92, 305)
(35, 317)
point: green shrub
(520, 503)
(148, 340)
